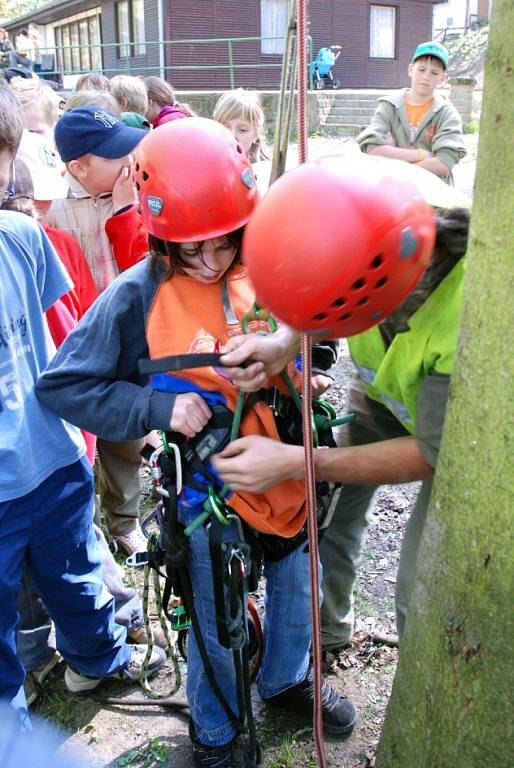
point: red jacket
(167, 114)
(127, 236)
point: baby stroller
(320, 70)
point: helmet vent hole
(358, 284)
(320, 316)
(363, 301)
(137, 166)
(145, 176)
(338, 303)
(377, 261)
(239, 149)
(137, 186)
(346, 316)
(380, 283)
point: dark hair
(24, 31)
(11, 121)
(428, 59)
(166, 257)
(451, 240)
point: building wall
(147, 63)
(331, 22)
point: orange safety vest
(188, 317)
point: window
(382, 31)
(274, 22)
(130, 26)
(80, 34)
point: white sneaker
(77, 683)
(134, 541)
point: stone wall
(461, 95)
(203, 102)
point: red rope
(310, 480)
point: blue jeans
(287, 634)
(36, 634)
(51, 527)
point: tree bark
(451, 705)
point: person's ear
(77, 168)
(444, 78)
(409, 69)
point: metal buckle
(157, 472)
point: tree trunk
(451, 705)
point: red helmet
(335, 247)
(193, 180)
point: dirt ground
(114, 735)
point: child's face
(35, 121)
(98, 174)
(426, 74)
(245, 133)
(209, 262)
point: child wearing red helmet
(397, 295)
(197, 193)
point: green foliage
(471, 127)
(152, 754)
(467, 52)
(11, 9)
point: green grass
(471, 127)
(152, 754)
(363, 606)
(65, 711)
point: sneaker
(339, 714)
(37, 676)
(212, 757)
(134, 541)
(77, 683)
(138, 636)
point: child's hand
(190, 414)
(123, 191)
(320, 383)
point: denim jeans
(35, 634)
(51, 526)
(287, 634)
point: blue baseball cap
(93, 130)
(436, 50)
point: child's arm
(93, 380)
(378, 137)
(128, 237)
(448, 143)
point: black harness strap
(180, 363)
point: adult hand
(123, 191)
(253, 464)
(320, 383)
(190, 414)
(266, 355)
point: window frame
(74, 59)
(395, 9)
(133, 47)
(280, 45)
